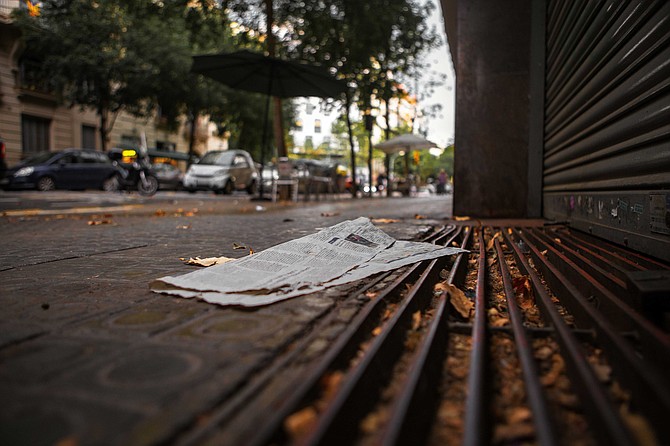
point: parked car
(68, 169)
(223, 171)
(170, 177)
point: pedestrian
(442, 182)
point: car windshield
(38, 159)
(219, 158)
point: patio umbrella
(254, 72)
(405, 142)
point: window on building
(309, 109)
(130, 141)
(298, 125)
(317, 126)
(35, 134)
(88, 136)
(31, 77)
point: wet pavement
(88, 355)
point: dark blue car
(67, 169)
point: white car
(223, 171)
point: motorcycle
(137, 176)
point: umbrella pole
(264, 142)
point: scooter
(137, 176)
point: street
(89, 355)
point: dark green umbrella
(254, 72)
(245, 70)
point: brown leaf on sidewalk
(238, 246)
(160, 213)
(329, 214)
(419, 217)
(100, 222)
(384, 221)
(208, 261)
(464, 218)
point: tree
(104, 55)
(372, 44)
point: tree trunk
(277, 119)
(103, 114)
(191, 139)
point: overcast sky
(441, 128)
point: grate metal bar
(651, 388)
(607, 424)
(590, 265)
(408, 423)
(562, 273)
(476, 415)
(546, 430)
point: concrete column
(492, 53)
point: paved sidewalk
(88, 355)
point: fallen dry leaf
(99, 222)
(459, 301)
(416, 320)
(184, 227)
(489, 246)
(377, 331)
(238, 246)
(160, 213)
(464, 218)
(371, 294)
(329, 214)
(544, 253)
(419, 217)
(523, 292)
(301, 422)
(208, 261)
(639, 426)
(558, 240)
(384, 221)
(330, 382)
(67, 441)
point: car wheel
(46, 184)
(253, 188)
(111, 184)
(228, 188)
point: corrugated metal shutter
(607, 120)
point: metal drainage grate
(539, 335)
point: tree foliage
(104, 54)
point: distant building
(315, 118)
